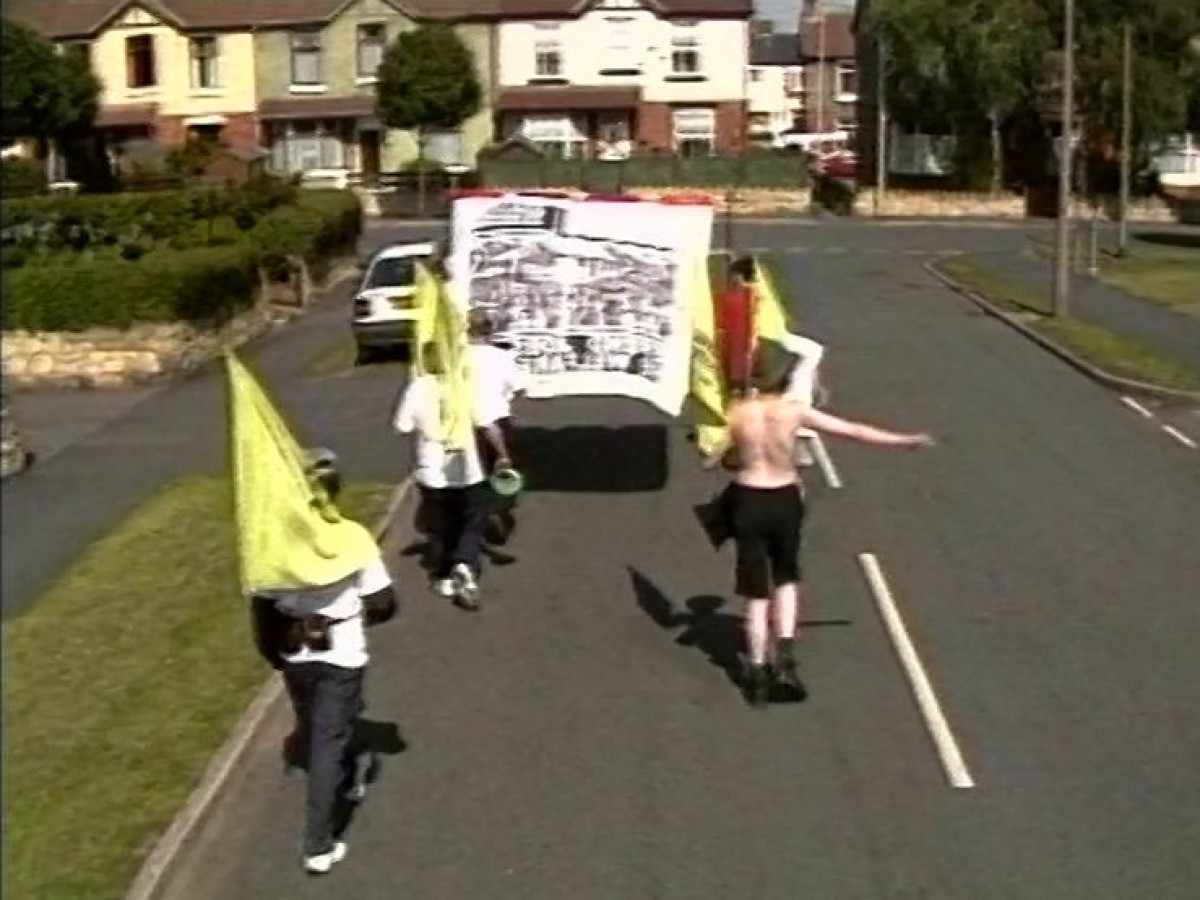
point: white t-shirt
(438, 466)
(341, 601)
(495, 378)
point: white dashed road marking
(1179, 436)
(944, 741)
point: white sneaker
(464, 581)
(444, 587)
(323, 862)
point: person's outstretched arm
(861, 431)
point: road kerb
(226, 759)
(1116, 382)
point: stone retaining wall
(108, 358)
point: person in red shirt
(735, 324)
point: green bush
(123, 276)
(21, 177)
(317, 227)
(170, 215)
(205, 285)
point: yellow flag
(770, 318)
(440, 325)
(290, 534)
(706, 382)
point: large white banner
(591, 294)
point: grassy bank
(120, 683)
(1105, 349)
(1166, 274)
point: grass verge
(1166, 273)
(1114, 353)
(120, 683)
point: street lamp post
(1062, 253)
(1126, 134)
(881, 123)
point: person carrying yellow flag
(440, 350)
(314, 579)
(771, 324)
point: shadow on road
(704, 623)
(372, 739)
(704, 626)
(593, 459)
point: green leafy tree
(427, 82)
(46, 95)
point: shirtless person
(765, 506)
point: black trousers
(327, 700)
(454, 520)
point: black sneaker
(787, 672)
(758, 686)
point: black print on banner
(521, 216)
(613, 350)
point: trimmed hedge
(203, 285)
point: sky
(787, 12)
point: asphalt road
(579, 739)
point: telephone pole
(1126, 134)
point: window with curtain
(204, 52)
(372, 42)
(306, 144)
(695, 131)
(306, 57)
(685, 50)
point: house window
(547, 51)
(685, 51)
(756, 75)
(444, 147)
(140, 70)
(205, 60)
(793, 81)
(695, 131)
(847, 82)
(372, 41)
(619, 47)
(554, 135)
(306, 57)
(306, 144)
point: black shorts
(765, 523)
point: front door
(368, 142)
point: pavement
(1166, 330)
(580, 738)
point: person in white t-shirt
(316, 638)
(455, 493)
(495, 381)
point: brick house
(580, 78)
(829, 54)
(316, 62)
(168, 68)
(775, 93)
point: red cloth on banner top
(735, 332)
